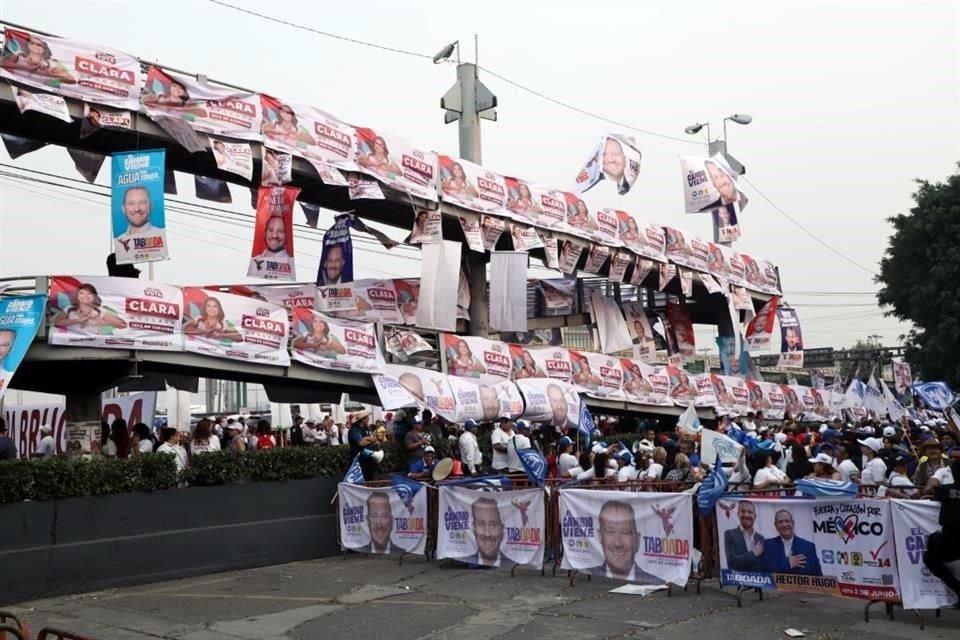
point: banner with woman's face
(397, 163)
(309, 133)
(470, 186)
(322, 341)
(480, 358)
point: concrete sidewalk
(357, 597)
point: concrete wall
(98, 542)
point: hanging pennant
(570, 251)
(710, 283)
(596, 258)
(641, 269)
(472, 234)
(619, 261)
(233, 157)
(212, 189)
(86, 163)
(426, 226)
(17, 146)
(551, 255)
(491, 228)
(276, 168)
(524, 238)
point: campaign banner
(276, 169)
(581, 220)
(771, 278)
(48, 104)
(430, 389)
(913, 522)
(752, 273)
(832, 547)
(472, 233)
(682, 327)
(491, 528)
(485, 402)
(397, 163)
(272, 256)
(725, 265)
(539, 362)
(792, 400)
(709, 184)
(713, 444)
(408, 298)
(137, 206)
(524, 238)
(309, 133)
(521, 204)
(559, 295)
(382, 520)
(816, 403)
(205, 107)
(289, 297)
(902, 377)
(470, 186)
(491, 229)
(330, 343)
(552, 401)
(682, 390)
(638, 384)
(134, 408)
(116, 313)
(642, 268)
(24, 422)
(615, 159)
(596, 374)
(391, 393)
(97, 117)
(727, 222)
(791, 338)
(236, 327)
(336, 259)
(372, 301)
(569, 255)
(766, 397)
(687, 250)
(760, 328)
(647, 240)
(553, 206)
(233, 157)
(71, 69)
(637, 537)
(20, 318)
(472, 357)
(426, 226)
(706, 393)
(620, 261)
(403, 343)
(596, 258)
(725, 401)
(606, 226)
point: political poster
(429, 388)
(331, 343)
(727, 222)
(485, 402)
(645, 538)
(397, 163)
(539, 362)
(682, 389)
(713, 443)
(404, 343)
(96, 117)
(289, 297)
(753, 274)
(383, 520)
(470, 186)
(647, 240)
(49, 104)
(816, 403)
(472, 234)
(24, 422)
(307, 132)
(760, 328)
(224, 325)
(372, 301)
(642, 269)
(524, 238)
(272, 256)
(596, 374)
(551, 401)
(391, 393)
(791, 338)
(682, 327)
(709, 184)
(137, 206)
(771, 277)
(276, 169)
(902, 377)
(473, 357)
(596, 257)
(521, 203)
(606, 226)
(233, 157)
(831, 547)
(913, 522)
(581, 221)
(491, 528)
(336, 259)
(638, 385)
(20, 319)
(116, 313)
(408, 298)
(491, 229)
(71, 69)
(554, 206)
(426, 226)
(620, 261)
(570, 251)
(615, 159)
(706, 394)
(559, 295)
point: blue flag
(354, 474)
(936, 395)
(482, 483)
(534, 464)
(587, 426)
(712, 487)
(827, 488)
(405, 488)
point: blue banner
(336, 258)
(20, 318)
(936, 395)
(136, 206)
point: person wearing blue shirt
(422, 468)
(788, 553)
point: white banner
(491, 528)
(397, 163)
(913, 522)
(508, 291)
(309, 133)
(712, 443)
(640, 386)
(378, 520)
(597, 375)
(426, 226)
(611, 327)
(429, 389)
(485, 402)
(329, 343)
(550, 401)
(48, 104)
(472, 357)
(439, 285)
(637, 537)
(371, 301)
(540, 362)
(233, 157)
(134, 408)
(709, 184)
(471, 186)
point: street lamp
(444, 54)
(739, 118)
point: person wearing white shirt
(46, 448)
(874, 469)
(310, 435)
(519, 441)
(499, 439)
(769, 476)
(171, 446)
(654, 471)
(899, 483)
(846, 468)
(470, 456)
(566, 460)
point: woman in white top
(874, 469)
(140, 441)
(171, 446)
(769, 476)
(899, 485)
(654, 471)
(203, 440)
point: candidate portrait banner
(539, 362)
(645, 538)
(639, 386)
(426, 226)
(638, 324)
(116, 313)
(902, 376)
(20, 319)
(709, 184)
(816, 403)
(272, 256)
(760, 328)
(913, 522)
(706, 394)
(408, 298)
(597, 374)
(382, 520)
(309, 133)
(71, 69)
(233, 157)
(726, 219)
(491, 528)
(581, 221)
(682, 327)
(392, 394)
(606, 226)
(373, 301)
(552, 207)
(470, 186)
(225, 325)
(644, 239)
(397, 163)
(833, 547)
(791, 338)
(336, 258)
(289, 297)
(559, 295)
(205, 107)
(137, 206)
(485, 402)
(680, 249)
(322, 341)
(429, 389)
(472, 357)
(553, 401)
(615, 159)
(49, 104)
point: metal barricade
(49, 633)
(11, 625)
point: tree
(920, 278)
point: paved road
(358, 597)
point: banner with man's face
(615, 159)
(491, 528)
(429, 389)
(902, 377)
(309, 133)
(831, 547)
(72, 69)
(20, 318)
(336, 258)
(761, 327)
(485, 402)
(382, 520)
(709, 184)
(397, 163)
(272, 255)
(913, 522)
(330, 343)
(114, 313)
(224, 325)
(552, 401)
(470, 186)
(373, 301)
(136, 205)
(644, 538)
(791, 338)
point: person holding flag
(364, 445)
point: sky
(850, 102)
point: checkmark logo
(876, 554)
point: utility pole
(466, 102)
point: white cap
(823, 428)
(429, 449)
(46, 429)
(780, 437)
(875, 444)
(822, 458)
(889, 432)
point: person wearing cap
(520, 440)
(47, 447)
(874, 468)
(362, 439)
(308, 433)
(628, 471)
(415, 441)
(823, 467)
(470, 456)
(235, 439)
(422, 468)
(8, 450)
(566, 461)
(899, 484)
(500, 438)
(931, 460)
(942, 548)
(845, 467)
